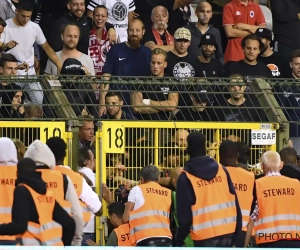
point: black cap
(208, 39)
(72, 66)
(264, 33)
(202, 97)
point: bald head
(271, 161)
(136, 22)
(204, 13)
(175, 172)
(203, 5)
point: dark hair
(64, 27)
(8, 95)
(7, 58)
(111, 94)
(83, 155)
(101, 6)
(116, 208)
(288, 156)
(58, 148)
(26, 164)
(252, 37)
(26, 5)
(2, 22)
(295, 54)
(228, 151)
(244, 152)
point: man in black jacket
(77, 16)
(289, 157)
(24, 209)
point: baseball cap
(264, 33)
(202, 97)
(208, 39)
(182, 33)
(72, 66)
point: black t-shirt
(156, 92)
(276, 64)
(212, 69)
(189, 114)
(245, 69)
(247, 112)
(149, 37)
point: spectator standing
(126, 59)
(120, 13)
(249, 66)
(86, 132)
(285, 218)
(8, 9)
(243, 182)
(268, 56)
(99, 44)
(204, 14)
(148, 208)
(8, 170)
(158, 36)
(240, 18)
(290, 158)
(193, 211)
(17, 28)
(70, 35)
(36, 215)
(76, 15)
(155, 101)
(211, 67)
(286, 20)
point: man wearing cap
(211, 66)
(215, 221)
(198, 112)
(204, 14)
(70, 35)
(182, 64)
(269, 57)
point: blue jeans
(7, 242)
(88, 236)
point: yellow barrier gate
(136, 144)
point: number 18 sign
(114, 139)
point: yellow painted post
(156, 146)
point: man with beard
(249, 66)
(198, 30)
(70, 34)
(126, 59)
(239, 107)
(269, 57)
(211, 66)
(158, 36)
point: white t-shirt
(90, 226)
(85, 60)
(25, 36)
(117, 14)
(136, 196)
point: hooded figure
(41, 154)
(8, 152)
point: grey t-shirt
(85, 60)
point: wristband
(146, 102)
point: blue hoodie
(205, 168)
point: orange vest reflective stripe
(77, 181)
(152, 219)
(55, 182)
(7, 186)
(47, 232)
(214, 213)
(122, 233)
(243, 182)
(279, 217)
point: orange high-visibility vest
(47, 232)
(243, 182)
(214, 213)
(77, 180)
(122, 233)
(279, 217)
(55, 182)
(8, 176)
(152, 219)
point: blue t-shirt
(122, 60)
